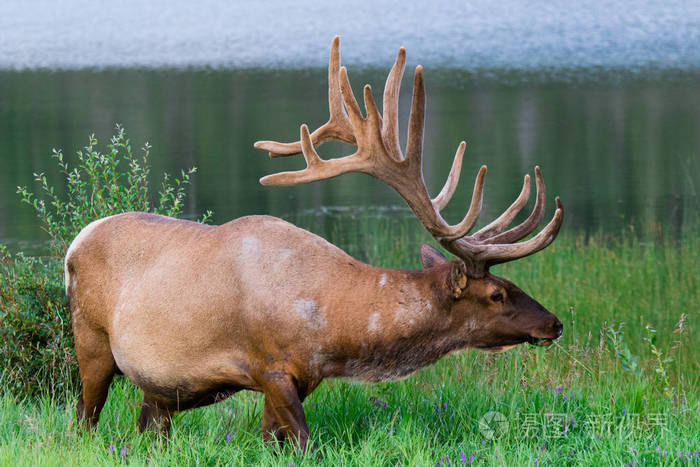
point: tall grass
(597, 397)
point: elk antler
(337, 128)
(379, 155)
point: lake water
(478, 34)
(604, 97)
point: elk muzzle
(539, 324)
(555, 330)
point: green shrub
(36, 342)
(36, 348)
(100, 186)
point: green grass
(602, 396)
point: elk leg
(285, 406)
(270, 427)
(97, 367)
(154, 416)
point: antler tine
(351, 105)
(307, 148)
(416, 121)
(441, 200)
(390, 129)
(463, 228)
(336, 128)
(529, 224)
(499, 224)
(374, 119)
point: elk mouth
(536, 341)
(539, 342)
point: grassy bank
(620, 386)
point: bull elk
(194, 313)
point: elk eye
(497, 297)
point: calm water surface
(619, 152)
(604, 96)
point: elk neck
(398, 322)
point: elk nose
(557, 327)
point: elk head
(505, 314)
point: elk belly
(174, 361)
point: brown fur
(193, 313)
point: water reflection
(616, 153)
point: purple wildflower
(378, 402)
(122, 451)
(444, 406)
(228, 437)
(658, 449)
(111, 449)
(624, 412)
(696, 454)
(535, 461)
(463, 458)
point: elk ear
(430, 257)
(457, 279)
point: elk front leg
(283, 415)
(270, 427)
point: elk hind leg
(154, 416)
(97, 368)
